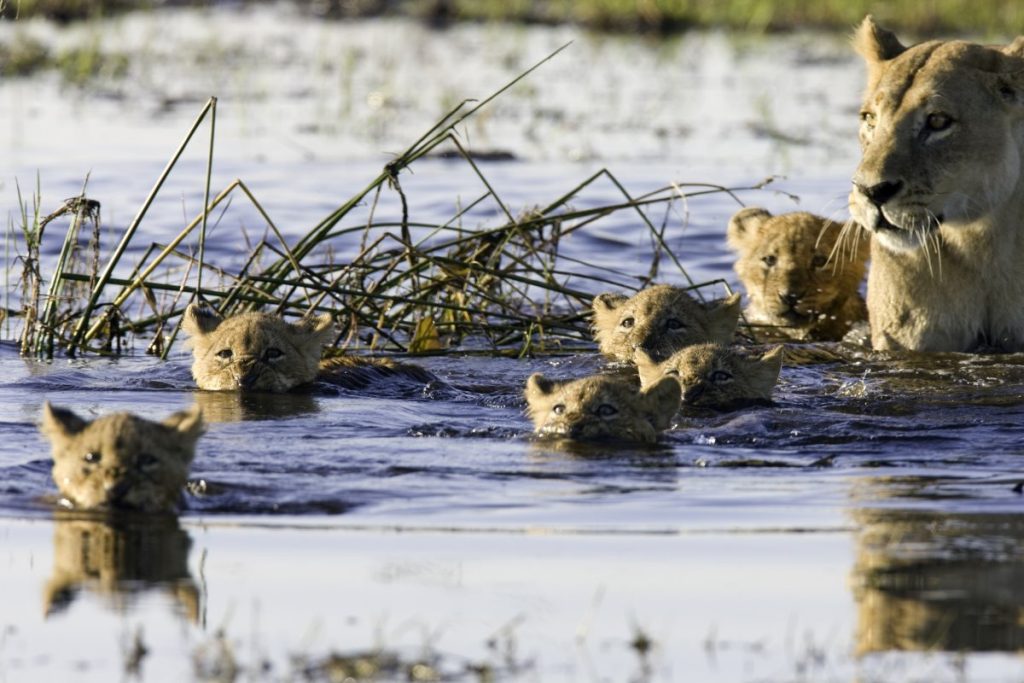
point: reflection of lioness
(941, 187)
(801, 272)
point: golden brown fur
(263, 352)
(799, 275)
(601, 407)
(117, 559)
(660, 320)
(120, 460)
(716, 376)
(940, 186)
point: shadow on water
(232, 406)
(118, 558)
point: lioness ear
(723, 318)
(663, 399)
(318, 329)
(744, 227)
(874, 43)
(188, 422)
(199, 320)
(60, 421)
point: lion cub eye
(769, 260)
(720, 377)
(627, 322)
(146, 460)
(868, 119)
(558, 409)
(674, 372)
(224, 353)
(273, 353)
(606, 410)
(819, 261)
(937, 122)
(92, 457)
(674, 324)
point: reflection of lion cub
(660, 320)
(601, 407)
(798, 272)
(120, 460)
(941, 186)
(118, 559)
(716, 376)
(262, 352)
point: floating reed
(408, 287)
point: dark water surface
(867, 527)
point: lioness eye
(558, 409)
(769, 260)
(937, 122)
(719, 376)
(819, 260)
(674, 324)
(273, 353)
(92, 457)
(627, 323)
(606, 410)
(224, 353)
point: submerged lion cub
(120, 460)
(601, 407)
(660, 320)
(263, 352)
(799, 273)
(715, 376)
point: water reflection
(927, 581)
(233, 406)
(118, 558)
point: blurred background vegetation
(915, 17)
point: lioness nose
(880, 193)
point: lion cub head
(940, 137)
(801, 272)
(601, 407)
(716, 376)
(660, 320)
(120, 460)
(254, 351)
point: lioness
(120, 460)
(801, 273)
(660, 320)
(940, 186)
(601, 407)
(716, 376)
(263, 352)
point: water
(866, 527)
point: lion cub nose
(789, 298)
(880, 193)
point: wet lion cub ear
(188, 423)
(537, 385)
(199, 320)
(745, 227)
(663, 399)
(723, 318)
(318, 327)
(607, 302)
(648, 369)
(60, 421)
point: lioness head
(797, 268)
(660, 320)
(716, 376)
(120, 460)
(601, 407)
(942, 126)
(254, 351)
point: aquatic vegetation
(404, 285)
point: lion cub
(263, 352)
(715, 376)
(799, 273)
(601, 407)
(660, 320)
(120, 460)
